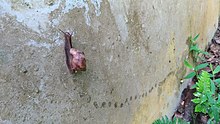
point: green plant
(195, 50)
(166, 120)
(207, 99)
(196, 53)
(195, 69)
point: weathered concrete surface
(134, 52)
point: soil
(185, 109)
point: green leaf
(197, 94)
(203, 52)
(211, 75)
(211, 67)
(203, 99)
(215, 113)
(200, 66)
(210, 99)
(164, 119)
(187, 64)
(217, 69)
(217, 80)
(194, 48)
(190, 75)
(210, 121)
(167, 119)
(193, 86)
(198, 108)
(197, 100)
(212, 87)
(196, 37)
(199, 86)
(218, 98)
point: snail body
(75, 59)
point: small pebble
(37, 90)
(32, 52)
(217, 41)
(93, 48)
(45, 55)
(36, 68)
(2, 80)
(23, 70)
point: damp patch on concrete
(120, 18)
(5, 121)
(39, 44)
(36, 15)
(33, 43)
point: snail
(75, 59)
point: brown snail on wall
(75, 59)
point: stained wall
(134, 51)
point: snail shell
(75, 59)
(78, 62)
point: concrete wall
(134, 50)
